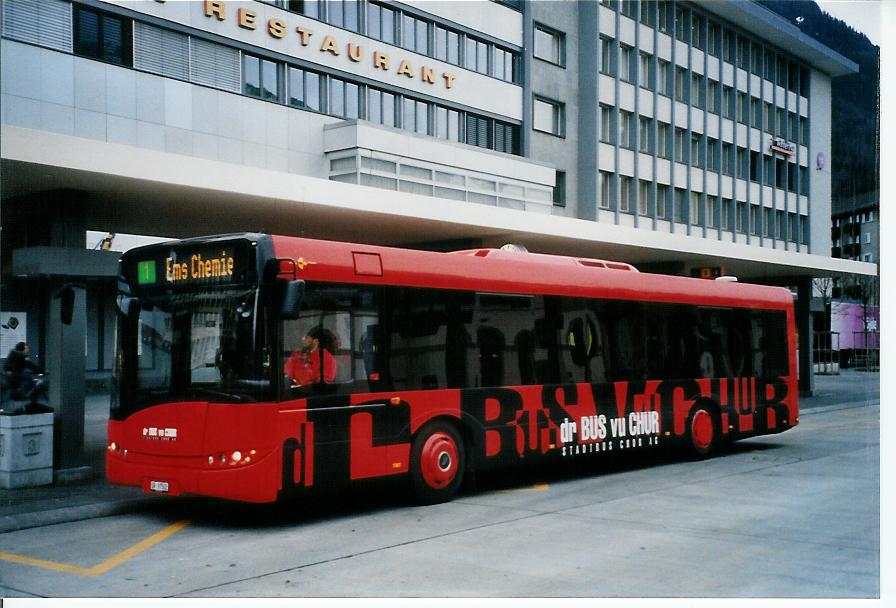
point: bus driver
(304, 365)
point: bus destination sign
(191, 267)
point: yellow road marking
(107, 565)
(539, 487)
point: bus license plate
(158, 486)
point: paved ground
(789, 515)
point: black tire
(437, 463)
(703, 431)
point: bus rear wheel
(437, 463)
(702, 432)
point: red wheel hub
(702, 429)
(439, 460)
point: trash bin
(26, 449)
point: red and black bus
(252, 366)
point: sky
(863, 15)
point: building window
(681, 209)
(804, 131)
(680, 149)
(476, 55)
(606, 56)
(448, 124)
(644, 143)
(780, 173)
(680, 90)
(694, 211)
(728, 101)
(414, 34)
(344, 99)
(261, 78)
(754, 220)
(681, 24)
(756, 111)
(743, 108)
(727, 210)
(727, 155)
(781, 234)
(714, 39)
(712, 96)
(743, 163)
(662, 201)
(606, 182)
(549, 45)
(560, 189)
(665, 16)
(643, 197)
(662, 139)
(742, 57)
(344, 14)
(696, 156)
(728, 46)
(648, 14)
(741, 217)
(381, 23)
(626, 132)
(415, 117)
(781, 130)
(662, 77)
(769, 118)
(645, 78)
(504, 66)
(304, 90)
(804, 181)
(606, 124)
(102, 36)
(547, 116)
(754, 166)
(447, 45)
(768, 170)
(697, 39)
(697, 96)
(628, 71)
(381, 107)
(756, 59)
(629, 8)
(770, 65)
(625, 192)
(768, 226)
(712, 152)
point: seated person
(304, 366)
(20, 372)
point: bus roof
(501, 271)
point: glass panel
(269, 80)
(312, 91)
(389, 109)
(421, 125)
(87, 33)
(374, 106)
(337, 97)
(351, 100)
(251, 76)
(422, 45)
(453, 48)
(296, 87)
(112, 37)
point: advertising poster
(13, 326)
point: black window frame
(125, 56)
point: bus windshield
(197, 345)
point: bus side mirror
(128, 305)
(292, 299)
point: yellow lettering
(304, 35)
(167, 269)
(449, 79)
(405, 68)
(355, 52)
(214, 7)
(380, 60)
(329, 45)
(246, 18)
(276, 28)
(426, 75)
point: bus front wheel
(437, 463)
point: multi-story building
(855, 228)
(683, 137)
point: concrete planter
(26, 450)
